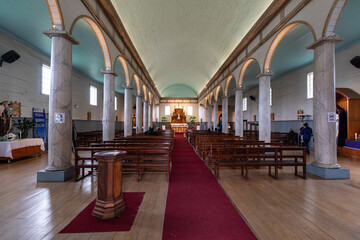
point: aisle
(197, 207)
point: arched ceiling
(87, 56)
(25, 21)
(185, 42)
(178, 90)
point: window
(190, 110)
(167, 110)
(244, 103)
(93, 95)
(115, 103)
(270, 96)
(45, 79)
(310, 85)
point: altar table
(179, 127)
(21, 148)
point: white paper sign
(59, 117)
(331, 117)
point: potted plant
(163, 119)
(24, 126)
(192, 122)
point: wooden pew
(273, 156)
(141, 155)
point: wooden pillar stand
(110, 202)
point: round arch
(206, 102)
(144, 91)
(243, 70)
(210, 97)
(333, 17)
(217, 92)
(99, 35)
(137, 82)
(279, 37)
(227, 83)
(56, 17)
(125, 68)
(150, 97)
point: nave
(288, 208)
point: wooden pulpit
(109, 203)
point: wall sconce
(76, 106)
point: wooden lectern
(110, 202)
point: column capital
(128, 87)
(108, 72)
(238, 88)
(56, 33)
(225, 96)
(334, 39)
(266, 74)
(139, 96)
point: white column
(108, 121)
(239, 114)
(264, 107)
(146, 114)
(215, 115)
(225, 114)
(157, 114)
(150, 115)
(128, 111)
(60, 101)
(138, 114)
(324, 102)
(209, 108)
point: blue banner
(40, 118)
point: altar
(178, 121)
(179, 127)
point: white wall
(21, 81)
(289, 91)
(185, 108)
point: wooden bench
(246, 157)
(139, 157)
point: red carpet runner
(85, 222)
(196, 207)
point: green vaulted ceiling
(185, 42)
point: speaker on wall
(9, 57)
(252, 98)
(355, 61)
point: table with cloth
(19, 148)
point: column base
(328, 173)
(104, 210)
(55, 176)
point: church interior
(159, 119)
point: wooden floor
(289, 208)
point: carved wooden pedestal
(110, 202)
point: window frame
(192, 110)
(115, 103)
(167, 107)
(245, 103)
(94, 88)
(308, 84)
(47, 67)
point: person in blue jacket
(306, 133)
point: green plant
(164, 119)
(192, 121)
(24, 126)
